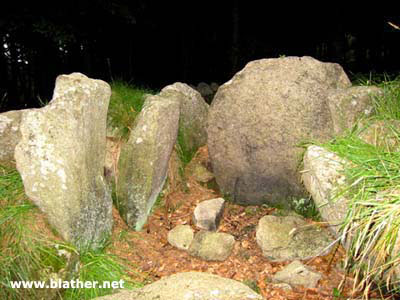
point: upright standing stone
(193, 115)
(61, 158)
(143, 162)
(9, 135)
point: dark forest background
(155, 43)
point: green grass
(28, 255)
(252, 284)
(23, 255)
(185, 153)
(306, 208)
(101, 267)
(372, 224)
(388, 105)
(373, 218)
(126, 102)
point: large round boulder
(257, 120)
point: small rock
(181, 237)
(112, 132)
(284, 213)
(297, 274)
(212, 245)
(199, 172)
(214, 86)
(207, 214)
(205, 90)
(291, 237)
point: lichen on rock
(61, 157)
(143, 162)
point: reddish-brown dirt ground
(152, 257)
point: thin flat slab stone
(296, 273)
(143, 162)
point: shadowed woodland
(156, 43)
(182, 186)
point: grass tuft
(23, 254)
(185, 153)
(372, 224)
(387, 106)
(306, 208)
(126, 102)
(101, 267)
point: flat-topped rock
(291, 237)
(212, 245)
